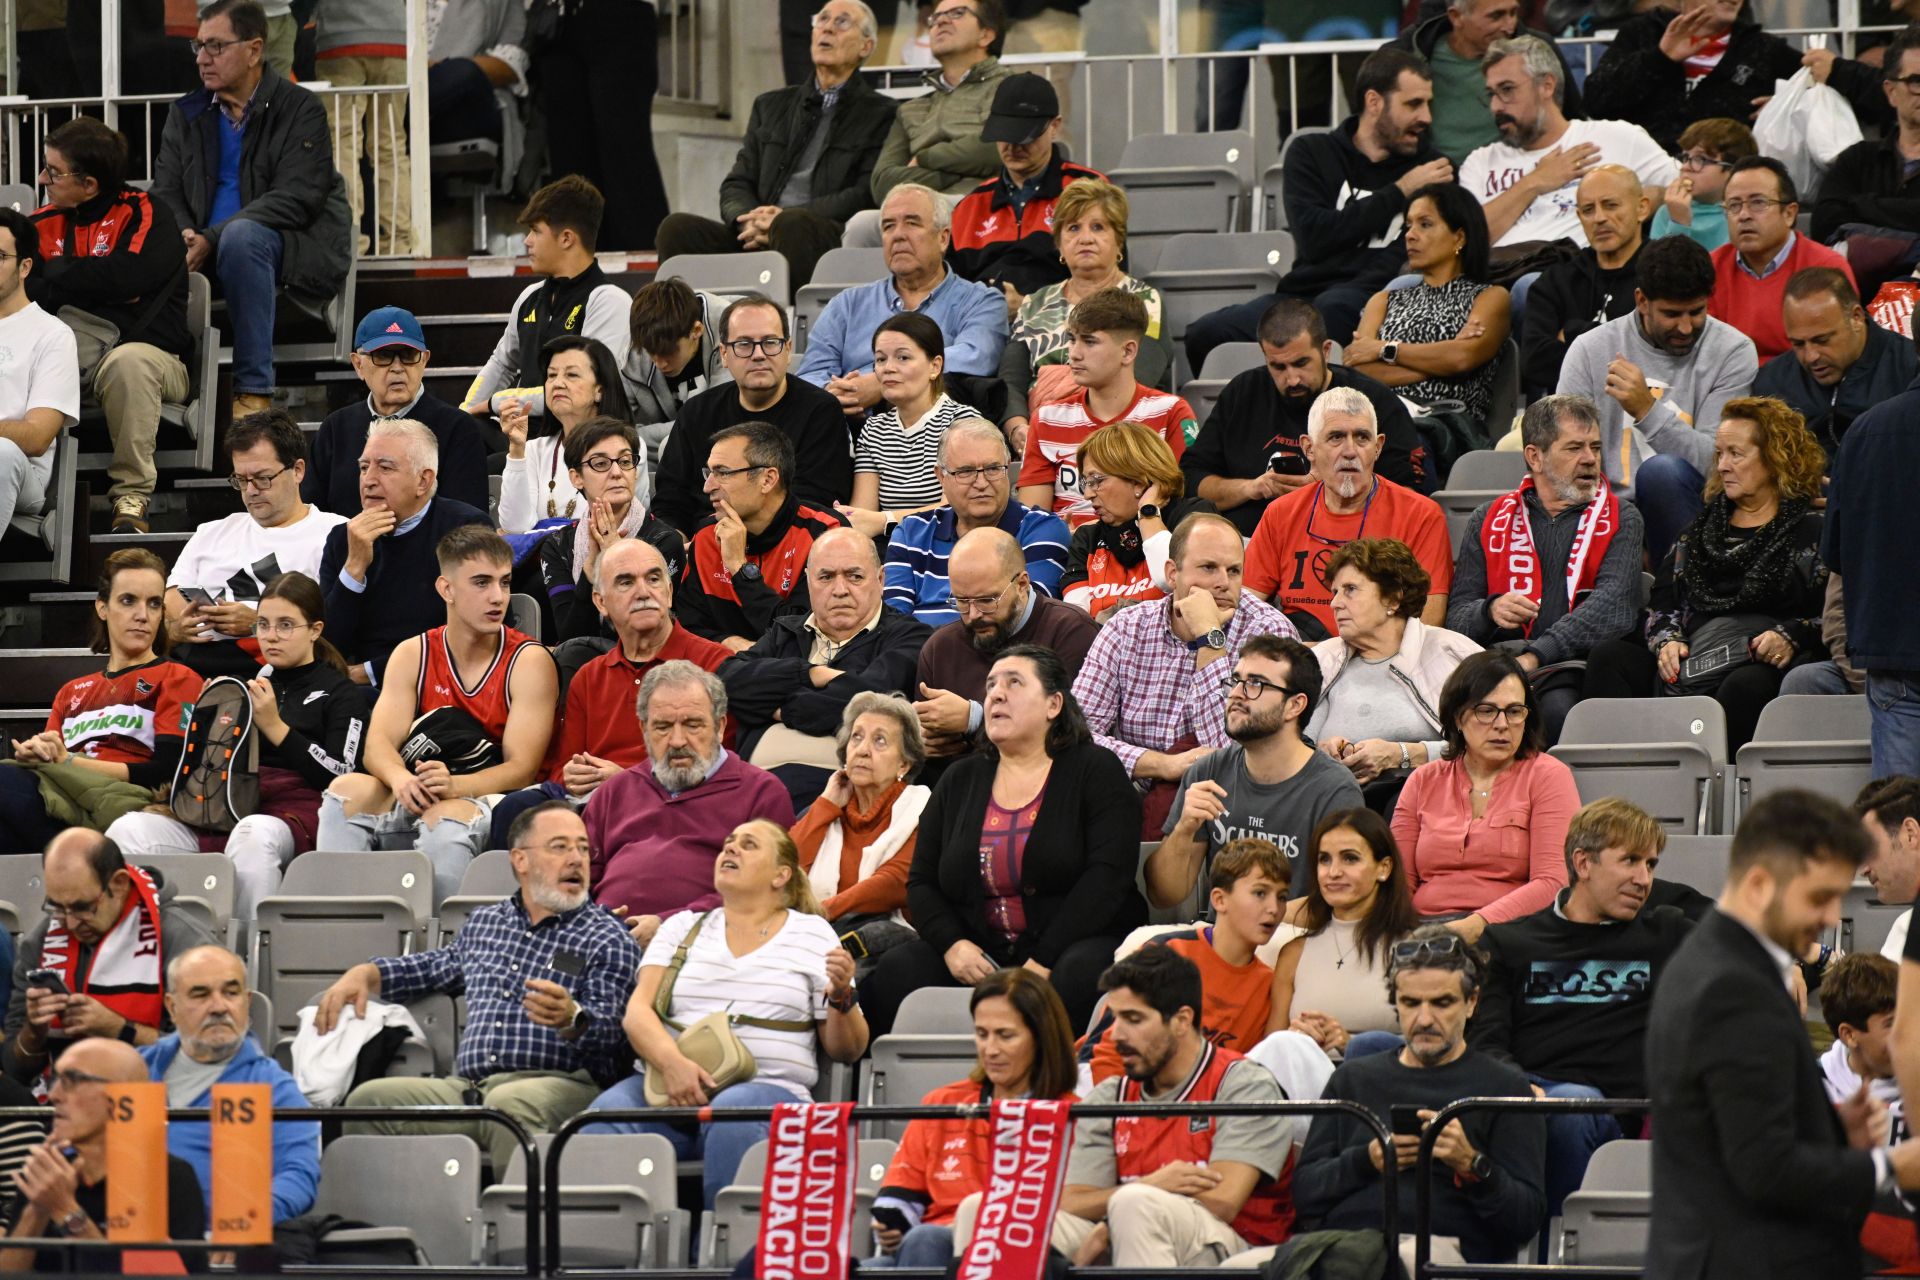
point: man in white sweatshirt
(1661, 375)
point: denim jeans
(1815, 677)
(1893, 702)
(1670, 493)
(1367, 1043)
(923, 1246)
(1572, 1140)
(247, 260)
(721, 1145)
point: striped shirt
(783, 979)
(1058, 430)
(907, 459)
(916, 568)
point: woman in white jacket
(582, 382)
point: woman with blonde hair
(768, 960)
(1134, 484)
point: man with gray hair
(386, 553)
(657, 827)
(1453, 37)
(1527, 181)
(1347, 499)
(1553, 568)
(915, 233)
(806, 163)
(211, 1007)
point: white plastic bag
(1805, 127)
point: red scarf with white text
(126, 969)
(1513, 560)
(1014, 1229)
(806, 1201)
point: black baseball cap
(1023, 106)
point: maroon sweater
(949, 661)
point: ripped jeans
(449, 843)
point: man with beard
(1288, 550)
(546, 974)
(1487, 1165)
(1889, 810)
(1527, 180)
(1668, 369)
(999, 606)
(208, 999)
(658, 826)
(1252, 447)
(1594, 286)
(1759, 1174)
(1270, 784)
(1152, 684)
(1346, 193)
(1553, 568)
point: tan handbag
(710, 1042)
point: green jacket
(942, 131)
(77, 796)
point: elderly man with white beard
(210, 1004)
(546, 973)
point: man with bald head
(1592, 287)
(211, 1007)
(789, 690)
(108, 932)
(600, 733)
(62, 1191)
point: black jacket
(1570, 297)
(326, 715)
(1885, 368)
(570, 599)
(1752, 1175)
(1634, 81)
(812, 419)
(1868, 184)
(1347, 217)
(399, 601)
(992, 244)
(772, 676)
(1422, 37)
(1077, 879)
(143, 258)
(287, 179)
(781, 124)
(333, 469)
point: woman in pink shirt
(1484, 827)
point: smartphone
(568, 964)
(199, 597)
(48, 980)
(1407, 1122)
(890, 1218)
(1288, 462)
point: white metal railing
(694, 51)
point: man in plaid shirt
(546, 974)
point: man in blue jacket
(208, 999)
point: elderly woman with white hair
(857, 840)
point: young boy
(1106, 331)
(674, 354)
(1857, 999)
(1249, 895)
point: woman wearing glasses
(582, 382)
(1484, 827)
(311, 719)
(1691, 207)
(1135, 486)
(896, 467)
(605, 461)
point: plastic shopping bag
(1806, 126)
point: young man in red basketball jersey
(465, 712)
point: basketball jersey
(491, 697)
(117, 715)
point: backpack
(218, 781)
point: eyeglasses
(260, 482)
(1091, 480)
(743, 348)
(1759, 204)
(214, 47)
(1417, 953)
(1911, 83)
(969, 604)
(71, 1079)
(600, 463)
(1487, 713)
(1254, 686)
(726, 473)
(387, 357)
(284, 627)
(953, 15)
(1701, 160)
(69, 910)
(839, 22)
(967, 475)
(52, 174)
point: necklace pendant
(1340, 963)
(552, 510)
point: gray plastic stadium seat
(837, 269)
(22, 890)
(1699, 862)
(732, 273)
(18, 196)
(1182, 182)
(1865, 921)
(439, 1020)
(202, 882)
(1669, 754)
(903, 1067)
(1198, 274)
(53, 530)
(203, 363)
(1223, 364)
(1605, 1223)
(1478, 477)
(487, 879)
(1273, 183)
(523, 615)
(618, 1204)
(420, 1187)
(1506, 400)
(1813, 741)
(734, 1224)
(940, 1011)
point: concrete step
(33, 676)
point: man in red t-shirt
(1289, 549)
(1106, 331)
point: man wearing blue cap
(390, 355)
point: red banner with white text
(1011, 1235)
(806, 1201)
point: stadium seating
(618, 1205)
(837, 269)
(1182, 182)
(1865, 921)
(21, 891)
(487, 879)
(421, 1188)
(1198, 274)
(1272, 181)
(1668, 754)
(1699, 862)
(729, 1230)
(203, 882)
(931, 1045)
(1477, 477)
(56, 528)
(1817, 742)
(733, 273)
(1605, 1223)
(1222, 365)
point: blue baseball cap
(389, 327)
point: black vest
(557, 309)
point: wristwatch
(1482, 1167)
(1148, 511)
(749, 572)
(581, 1020)
(129, 1033)
(1390, 352)
(75, 1222)
(1214, 639)
(844, 1003)
(1406, 757)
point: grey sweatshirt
(1689, 392)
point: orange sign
(137, 1175)
(242, 1164)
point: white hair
(1346, 401)
(423, 447)
(974, 429)
(869, 25)
(942, 216)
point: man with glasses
(113, 251)
(109, 932)
(62, 1191)
(1487, 1177)
(806, 163)
(756, 349)
(390, 355)
(1875, 182)
(1751, 271)
(1268, 784)
(228, 562)
(246, 169)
